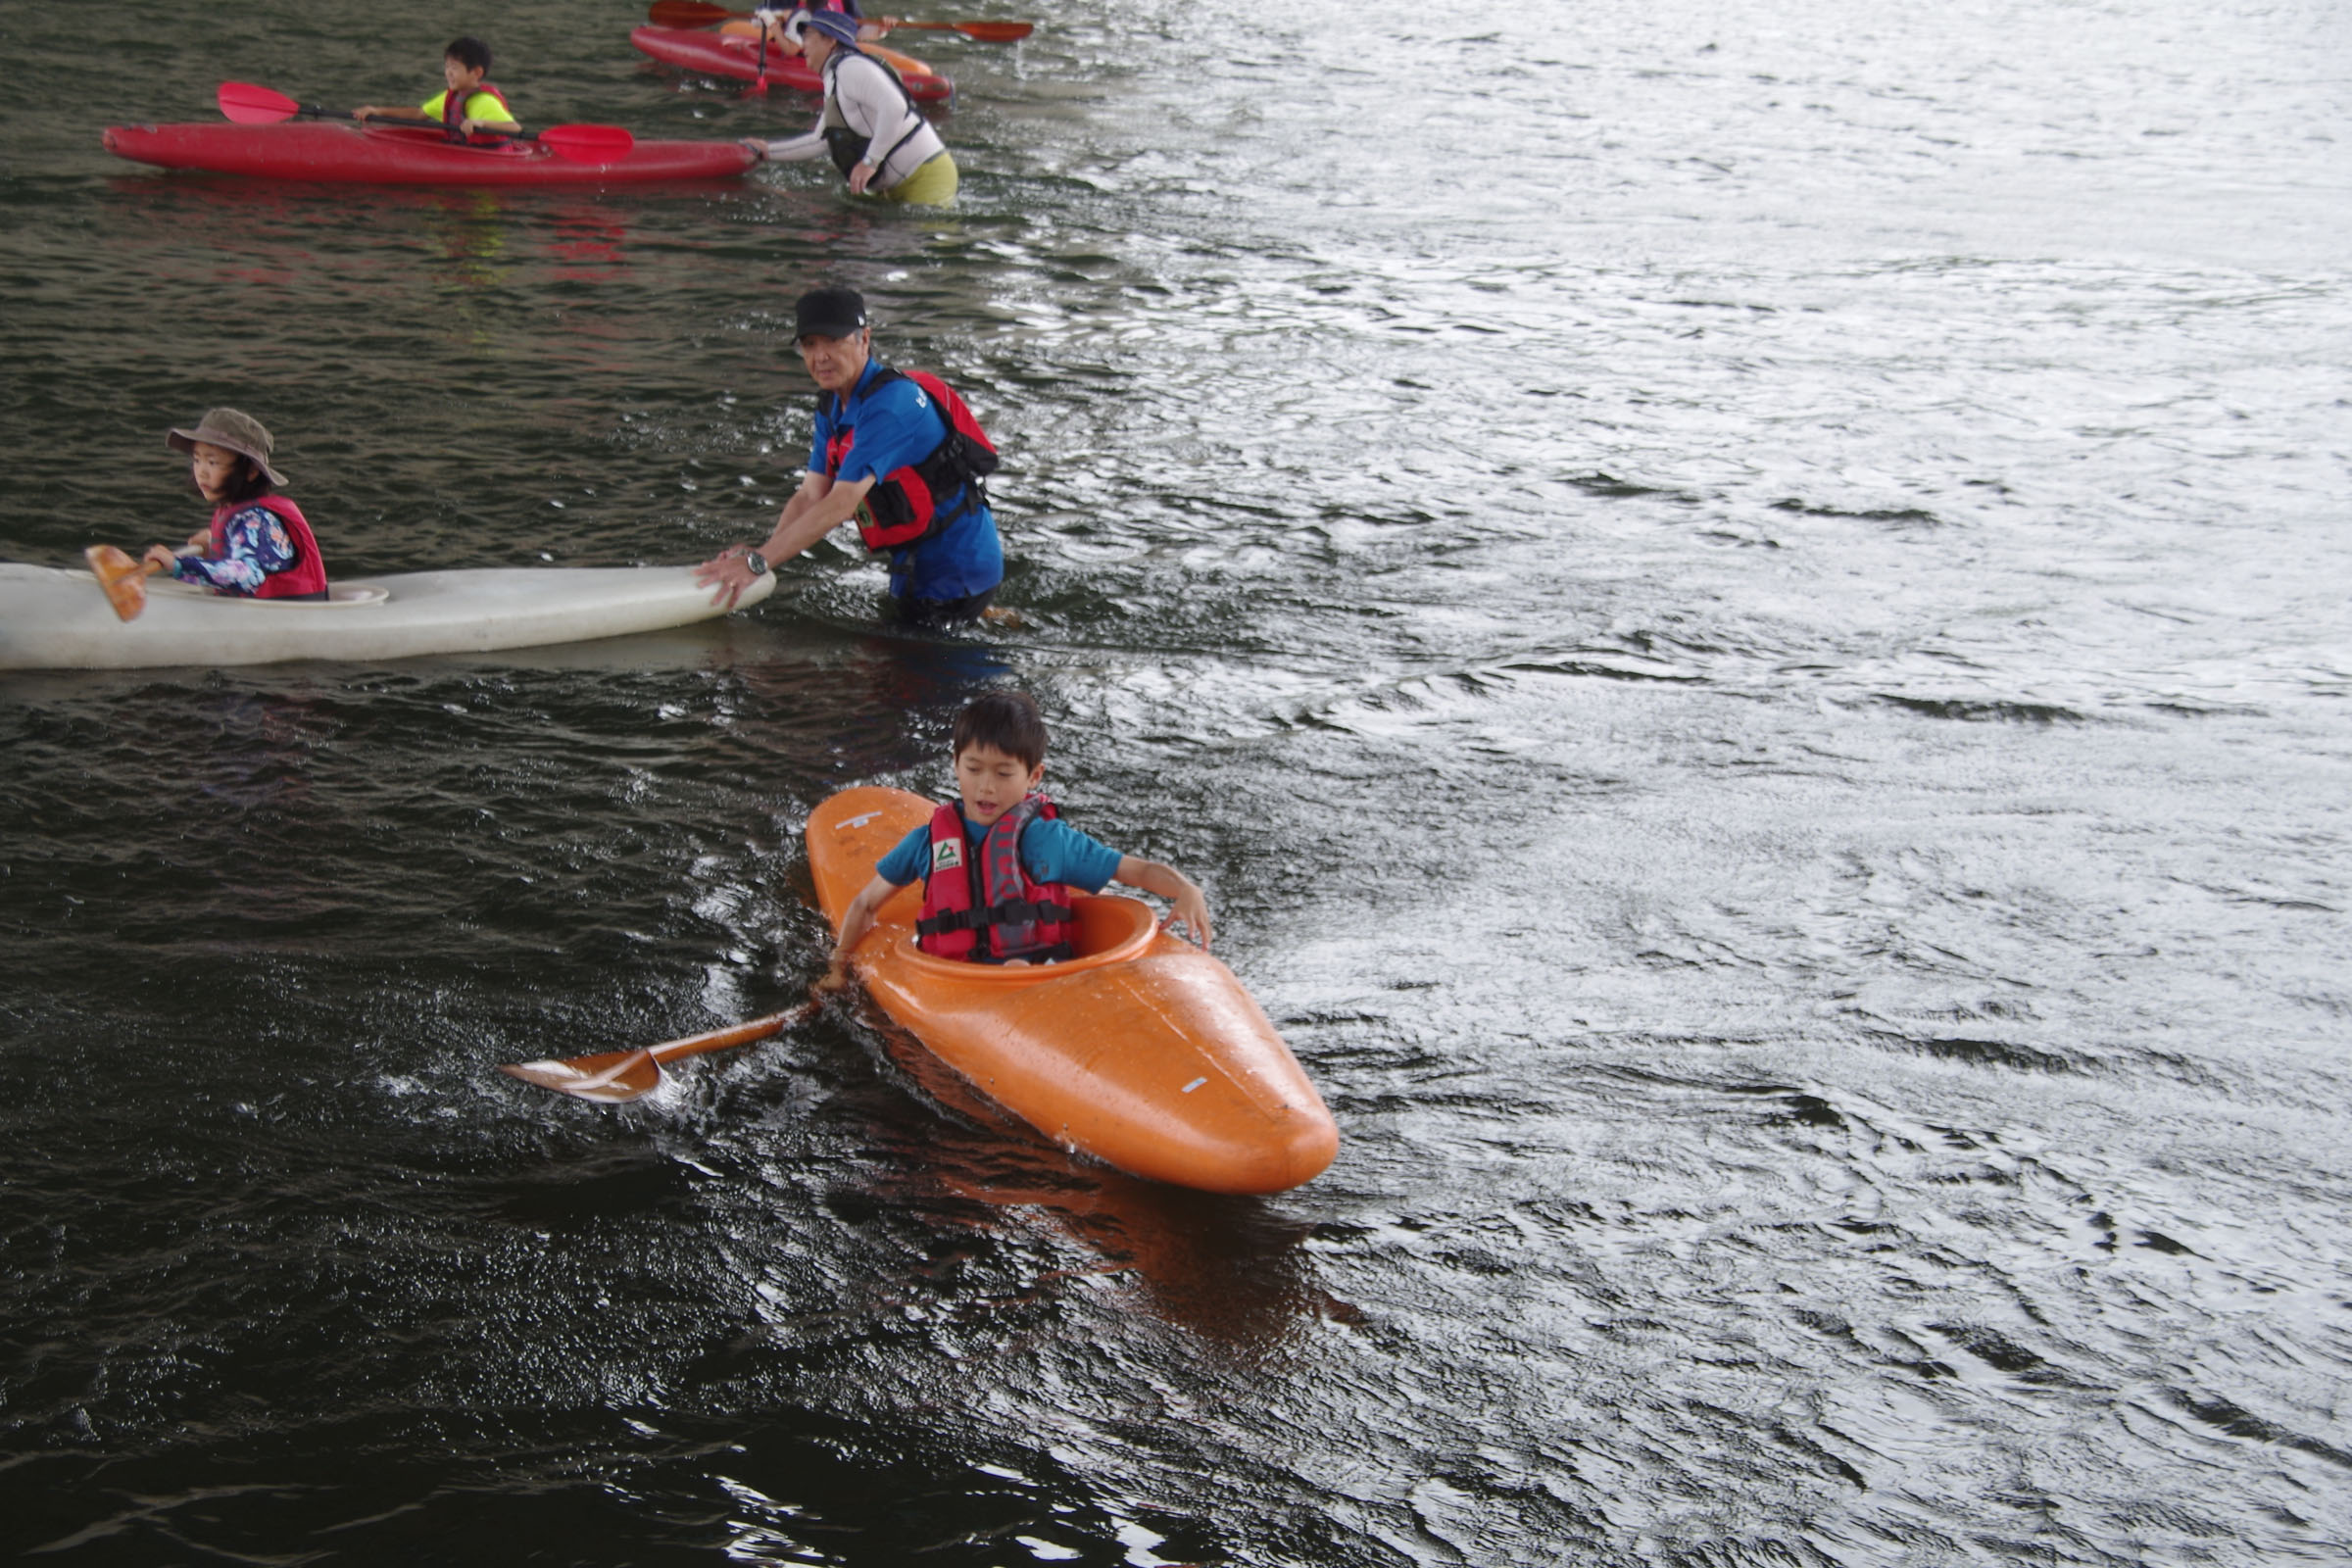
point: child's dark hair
(246, 482)
(1008, 721)
(472, 53)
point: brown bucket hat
(238, 432)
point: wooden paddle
(250, 105)
(702, 13)
(123, 578)
(614, 1076)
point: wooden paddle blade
(251, 105)
(588, 144)
(612, 1077)
(123, 579)
(689, 13)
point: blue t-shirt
(890, 427)
(1051, 850)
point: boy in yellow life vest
(469, 108)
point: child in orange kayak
(998, 866)
(259, 545)
(468, 105)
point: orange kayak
(1143, 1050)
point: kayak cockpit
(339, 596)
(1112, 929)
(427, 138)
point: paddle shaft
(428, 121)
(615, 1076)
(742, 1034)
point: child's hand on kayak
(1191, 911)
(836, 978)
(855, 921)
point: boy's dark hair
(246, 481)
(472, 53)
(1006, 720)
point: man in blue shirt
(880, 439)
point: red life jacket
(967, 895)
(453, 115)
(903, 506)
(302, 579)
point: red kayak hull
(718, 55)
(386, 155)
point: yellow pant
(933, 182)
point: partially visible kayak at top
(724, 55)
(409, 154)
(56, 619)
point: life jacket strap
(1012, 912)
(847, 153)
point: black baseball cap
(829, 313)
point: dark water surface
(1742, 609)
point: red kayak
(395, 155)
(720, 55)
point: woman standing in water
(870, 127)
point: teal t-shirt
(1051, 850)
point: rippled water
(1743, 611)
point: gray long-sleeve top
(863, 95)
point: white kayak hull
(51, 619)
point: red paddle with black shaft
(702, 13)
(251, 105)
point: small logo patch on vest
(946, 853)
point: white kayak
(52, 619)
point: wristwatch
(756, 561)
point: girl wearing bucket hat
(870, 127)
(259, 545)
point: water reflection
(277, 231)
(1231, 1270)
(590, 241)
(467, 226)
(1619, 632)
